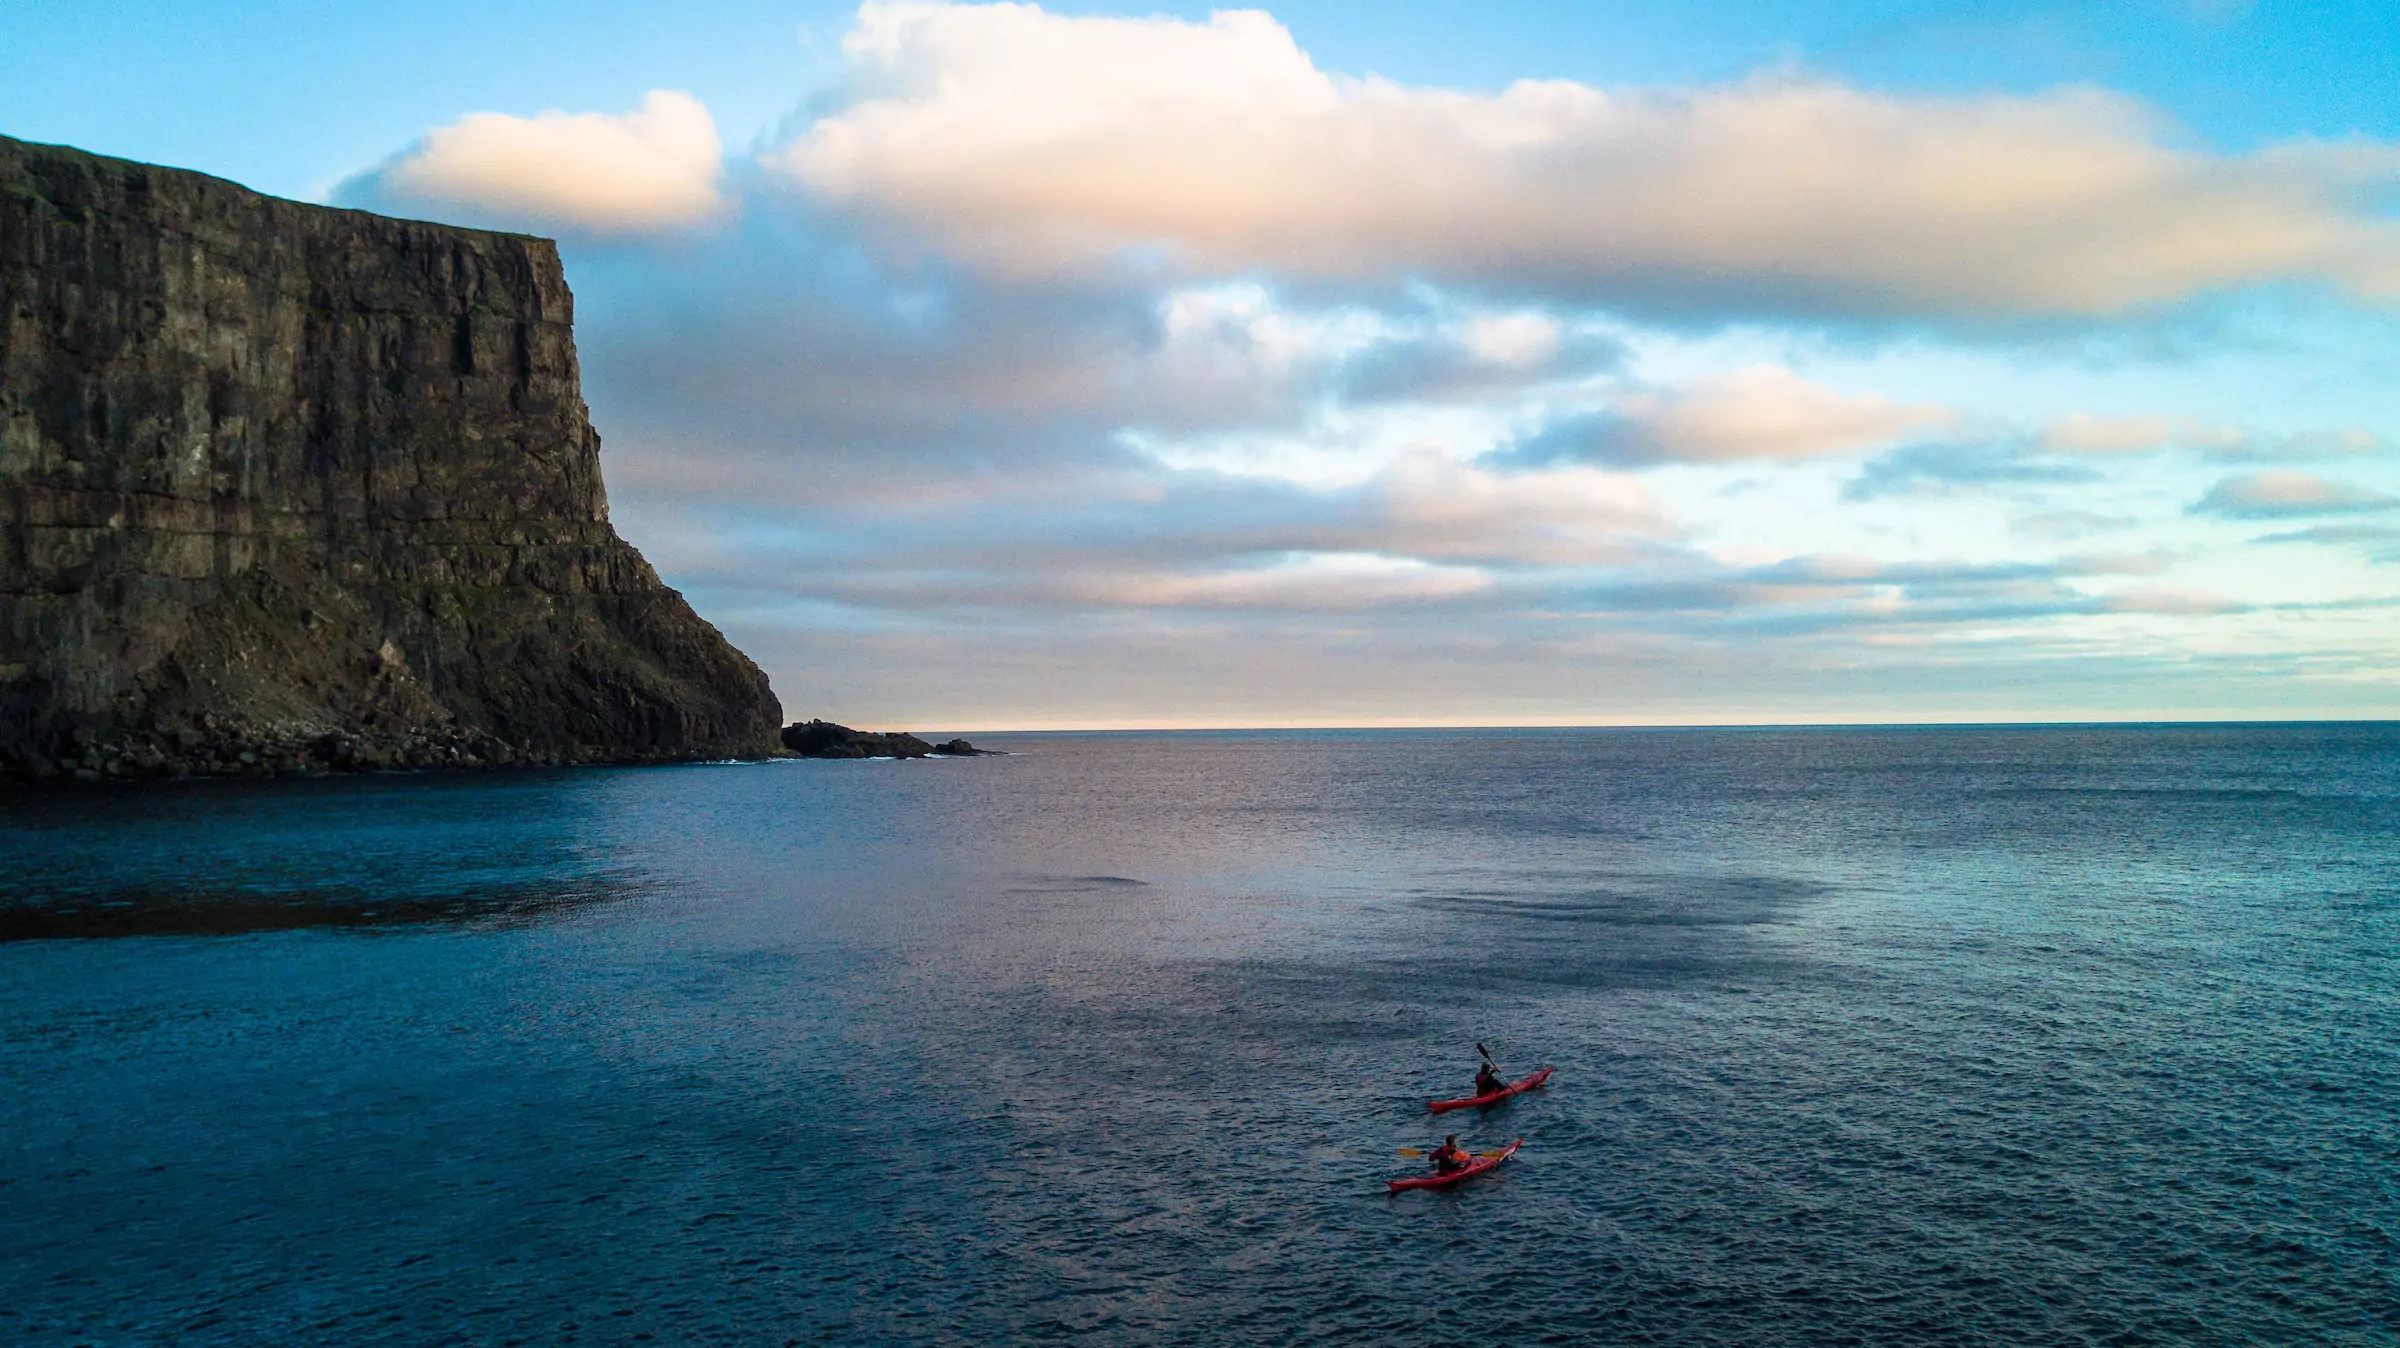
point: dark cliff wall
(316, 487)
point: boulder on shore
(824, 739)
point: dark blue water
(2006, 1036)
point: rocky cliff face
(285, 487)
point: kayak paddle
(1420, 1151)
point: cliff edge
(284, 488)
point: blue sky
(292, 97)
(1428, 363)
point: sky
(997, 366)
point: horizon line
(1821, 723)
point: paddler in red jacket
(1450, 1156)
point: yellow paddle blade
(1412, 1151)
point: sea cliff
(290, 488)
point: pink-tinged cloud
(2085, 433)
(2278, 493)
(1031, 142)
(1763, 412)
(654, 168)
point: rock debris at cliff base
(290, 488)
(824, 739)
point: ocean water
(2012, 1036)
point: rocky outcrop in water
(286, 488)
(824, 739)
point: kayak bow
(1533, 1082)
(1469, 1171)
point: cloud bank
(1030, 143)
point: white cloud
(2281, 492)
(1433, 506)
(1321, 581)
(1761, 412)
(1032, 142)
(654, 168)
(1233, 340)
(1512, 340)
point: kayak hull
(1531, 1083)
(1466, 1172)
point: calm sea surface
(1903, 1036)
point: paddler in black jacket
(1487, 1081)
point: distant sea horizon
(1796, 722)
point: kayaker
(1450, 1156)
(1487, 1080)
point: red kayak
(1467, 1171)
(1533, 1082)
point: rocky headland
(286, 489)
(824, 739)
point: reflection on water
(1865, 1036)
